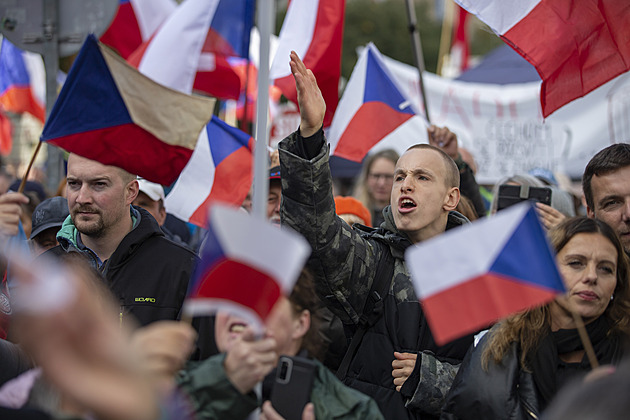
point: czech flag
(135, 22)
(17, 93)
(372, 110)
(576, 46)
(246, 265)
(314, 30)
(108, 112)
(469, 277)
(220, 170)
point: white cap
(154, 191)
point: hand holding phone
(292, 386)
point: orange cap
(350, 205)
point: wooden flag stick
(28, 169)
(586, 341)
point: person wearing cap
(275, 195)
(151, 198)
(47, 219)
(352, 211)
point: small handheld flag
(246, 265)
(474, 275)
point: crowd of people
(111, 345)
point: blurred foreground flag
(108, 112)
(18, 92)
(220, 170)
(576, 46)
(474, 275)
(246, 265)
(314, 30)
(372, 110)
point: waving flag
(110, 113)
(180, 39)
(135, 22)
(471, 276)
(314, 30)
(372, 110)
(18, 92)
(246, 265)
(576, 46)
(220, 170)
(230, 29)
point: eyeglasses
(384, 177)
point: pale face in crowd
(380, 179)
(420, 198)
(154, 207)
(611, 202)
(98, 197)
(273, 202)
(588, 265)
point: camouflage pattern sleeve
(436, 378)
(342, 263)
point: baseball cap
(154, 191)
(49, 213)
(274, 173)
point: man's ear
(131, 191)
(301, 325)
(589, 212)
(452, 199)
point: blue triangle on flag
(224, 139)
(89, 99)
(527, 256)
(380, 88)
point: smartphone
(292, 386)
(513, 194)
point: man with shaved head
(148, 273)
(397, 363)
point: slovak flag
(220, 170)
(135, 22)
(575, 46)
(470, 277)
(373, 110)
(314, 30)
(246, 265)
(108, 112)
(18, 92)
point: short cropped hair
(607, 160)
(452, 173)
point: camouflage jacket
(344, 262)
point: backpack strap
(373, 309)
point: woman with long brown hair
(520, 364)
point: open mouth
(237, 328)
(406, 205)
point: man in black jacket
(398, 362)
(146, 272)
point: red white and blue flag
(246, 265)
(135, 22)
(373, 110)
(107, 111)
(470, 277)
(18, 90)
(576, 46)
(314, 30)
(220, 170)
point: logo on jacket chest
(145, 299)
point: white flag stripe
(296, 35)
(150, 14)
(188, 193)
(500, 15)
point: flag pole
(261, 157)
(586, 341)
(445, 36)
(28, 168)
(417, 52)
